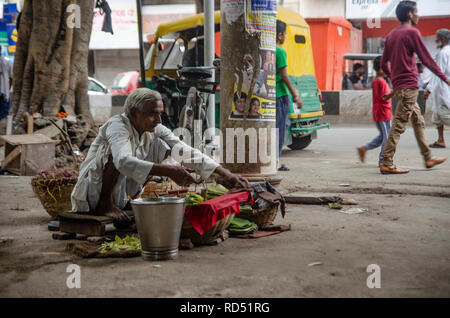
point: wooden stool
(25, 155)
(84, 223)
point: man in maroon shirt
(399, 63)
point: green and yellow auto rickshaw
(168, 47)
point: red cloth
(382, 109)
(399, 49)
(207, 213)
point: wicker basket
(210, 236)
(54, 194)
(152, 188)
(261, 217)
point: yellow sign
(14, 35)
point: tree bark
(50, 68)
(237, 44)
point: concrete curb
(355, 107)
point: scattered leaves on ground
(120, 244)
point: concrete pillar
(248, 66)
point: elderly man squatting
(130, 149)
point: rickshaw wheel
(299, 143)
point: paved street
(405, 232)
(331, 160)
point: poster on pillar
(258, 72)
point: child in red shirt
(381, 112)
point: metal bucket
(159, 222)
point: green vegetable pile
(119, 244)
(215, 191)
(193, 199)
(246, 209)
(241, 226)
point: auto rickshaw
(173, 40)
(366, 60)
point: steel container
(159, 222)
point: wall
(153, 16)
(426, 26)
(356, 43)
(316, 8)
(155, 2)
(112, 59)
(108, 63)
(355, 107)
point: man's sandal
(434, 161)
(393, 169)
(436, 145)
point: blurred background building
(337, 27)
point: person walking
(283, 87)
(381, 112)
(439, 89)
(399, 63)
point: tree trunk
(50, 68)
(254, 154)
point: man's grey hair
(444, 33)
(138, 98)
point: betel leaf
(193, 199)
(119, 244)
(215, 191)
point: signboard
(8, 27)
(364, 9)
(12, 37)
(154, 15)
(263, 6)
(124, 23)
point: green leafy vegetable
(215, 191)
(335, 205)
(246, 208)
(120, 244)
(242, 226)
(193, 199)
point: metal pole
(141, 43)
(209, 31)
(9, 125)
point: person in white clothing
(128, 151)
(440, 89)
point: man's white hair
(138, 98)
(444, 33)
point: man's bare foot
(120, 219)
(362, 153)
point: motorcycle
(186, 98)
